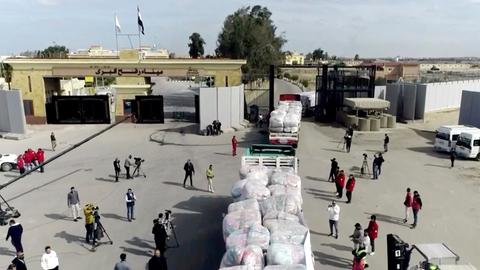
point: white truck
(282, 128)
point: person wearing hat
(333, 217)
(357, 236)
(333, 168)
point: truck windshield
(443, 136)
(465, 142)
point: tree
(356, 58)
(196, 45)
(317, 54)
(286, 75)
(294, 77)
(55, 51)
(304, 82)
(6, 72)
(249, 33)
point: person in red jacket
(350, 186)
(40, 158)
(416, 206)
(340, 183)
(372, 232)
(234, 146)
(408, 204)
(33, 157)
(27, 158)
(20, 164)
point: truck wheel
(478, 157)
(6, 167)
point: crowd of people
(30, 159)
(364, 239)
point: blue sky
(371, 28)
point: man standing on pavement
(333, 217)
(49, 259)
(157, 262)
(210, 175)
(340, 183)
(130, 199)
(116, 167)
(15, 232)
(357, 236)
(73, 202)
(350, 187)
(333, 168)
(159, 235)
(41, 158)
(122, 264)
(53, 140)
(189, 171)
(416, 206)
(372, 230)
(385, 143)
(19, 261)
(348, 142)
(89, 223)
(408, 204)
(127, 164)
(234, 146)
(453, 156)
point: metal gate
(149, 109)
(79, 110)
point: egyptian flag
(140, 22)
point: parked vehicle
(447, 137)
(285, 122)
(468, 144)
(8, 162)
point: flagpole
(116, 31)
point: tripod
(139, 171)
(365, 168)
(344, 143)
(100, 226)
(170, 229)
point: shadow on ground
(388, 219)
(113, 216)
(327, 259)
(199, 233)
(321, 194)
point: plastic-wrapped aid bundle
(250, 204)
(237, 188)
(284, 267)
(281, 215)
(245, 170)
(277, 190)
(285, 178)
(238, 267)
(251, 256)
(240, 220)
(285, 254)
(258, 176)
(254, 190)
(286, 231)
(256, 235)
(280, 203)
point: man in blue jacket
(15, 231)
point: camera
(138, 160)
(168, 213)
(365, 155)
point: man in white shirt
(49, 259)
(333, 216)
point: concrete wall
(447, 95)
(221, 103)
(12, 116)
(470, 109)
(409, 101)
(394, 95)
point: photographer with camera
(138, 163)
(160, 235)
(127, 164)
(88, 211)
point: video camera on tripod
(138, 162)
(167, 221)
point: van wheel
(6, 167)
(478, 157)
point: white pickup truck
(8, 162)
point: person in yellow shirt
(89, 220)
(210, 178)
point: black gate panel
(197, 109)
(149, 109)
(79, 110)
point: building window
(28, 107)
(29, 84)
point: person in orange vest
(41, 158)
(234, 146)
(20, 164)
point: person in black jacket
(157, 262)
(15, 231)
(333, 168)
(189, 171)
(160, 235)
(116, 167)
(19, 262)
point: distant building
(294, 58)
(393, 71)
(98, 52)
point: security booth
(366, 114)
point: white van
(447, 136)
(468, 144)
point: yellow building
(294, 58)
(39, 79)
